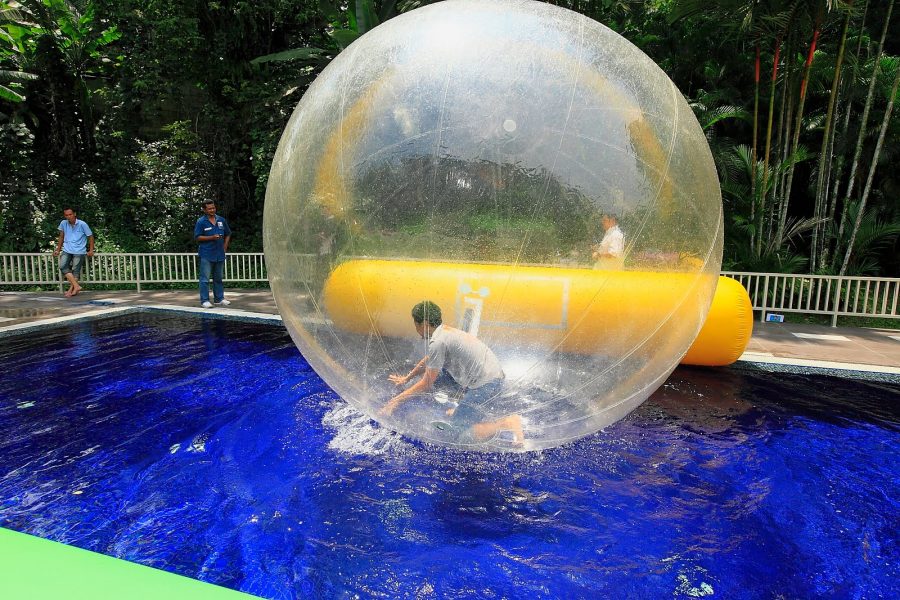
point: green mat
(33, 568)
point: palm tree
(857, 153)
(738, 16)
(775, 22)
(875, 235)
(827, 142)
(775, 253)
(835, 158)
(801, 102)
(868, 188)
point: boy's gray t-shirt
(466, 358)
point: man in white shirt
(609, 254)
(469, 362)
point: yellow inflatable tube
(565, 309)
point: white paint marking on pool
(821, 336)
(93, 313)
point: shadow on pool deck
(785, 343)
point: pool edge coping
(103, 313)
(764, 360)
(753, 358)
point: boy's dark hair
(67, 207)
(427, 310)
(206, 203)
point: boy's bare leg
(485, 431)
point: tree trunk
(785, 133)
(865, 196)
(779, 133)
(839, 167)
(799, 125)
(764, 194)
(862, 129)
(821, 181)
(753, 148)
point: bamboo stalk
(819, 210)
(839, 169)
(765, 179)
(799, 123)
(862, 128)
(873, 165)
(753, 148)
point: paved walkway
(778, 343)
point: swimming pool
(210, 449)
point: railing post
(837, 299)
(762, 316)
(59, 275)
(138, 271)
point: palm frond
(794, 227)
(6, 75)
(720, 113)
(10, 94)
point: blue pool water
(210, 449)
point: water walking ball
(531, 173)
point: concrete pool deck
(817, 346)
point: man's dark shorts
(469, 412)
(71, 263)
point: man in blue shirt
(212, 235)
(76, 240)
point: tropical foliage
(132, 110)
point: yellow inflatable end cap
(727, 329)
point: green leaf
(721, 113)
(87, 18)
(110, 35)
(344, 37)
(16, 76)
(10, 94)
(329, 10)
(366, 18)
(18, 35)
(388, 10)
(68, 28)
(295, 54)
(351, 20)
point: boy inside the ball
(469, 362)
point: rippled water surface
(209, 448)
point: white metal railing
(821, 294)
(769, 292)
(136, 269)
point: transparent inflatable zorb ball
(532, 174)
